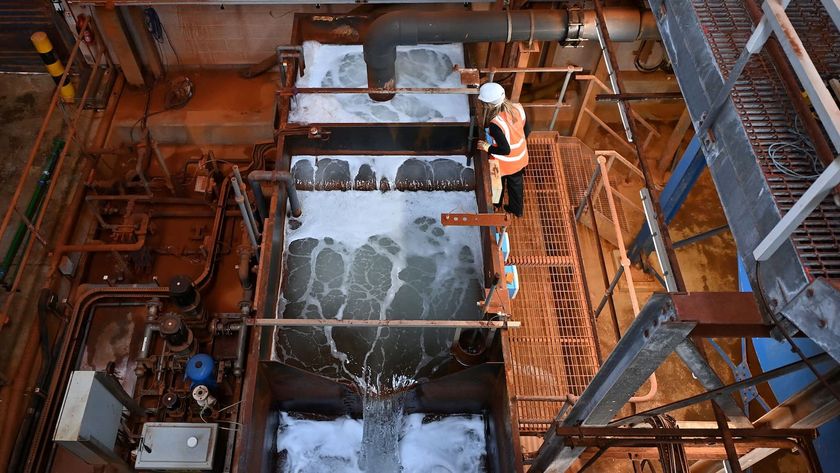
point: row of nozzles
(410, 27)
(334, 174)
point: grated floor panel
(768, 116)
(554, 352)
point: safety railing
(72, 113)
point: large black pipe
(402, 28)
(408, 27)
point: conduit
(406, 28)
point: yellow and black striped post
(54, 66)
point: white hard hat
(491, 93)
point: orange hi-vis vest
(515, 134)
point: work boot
(508, 210)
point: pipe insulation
(408, 28)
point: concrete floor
(24, 100)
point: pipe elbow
(380, 51)
(288, 181)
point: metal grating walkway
(554, 352)
(768, 117)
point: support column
(119, 45)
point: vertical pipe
(602, 260)
(489, 297)
(162, 162)
(148, 332)
(241, 346)
(259, 199)
(240, 201)
(241, 183)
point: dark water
(372, 255)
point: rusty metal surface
(768, 116)
(476, 220)
(721, 314)
(291, 91)
(437, 138)
(554, 353)
(106, 322)
(578, 168)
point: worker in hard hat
(507, 128)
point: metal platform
(554, 353)
(704, 40)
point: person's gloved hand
(483, 145)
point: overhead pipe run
(407, 28)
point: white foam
(343, 66)
(352, 217)
(452, 444)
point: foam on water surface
(427, 444)
(440, 170)
(343, 66)
(377, 255)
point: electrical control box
(89, 418)
(177, 446)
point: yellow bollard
(54, 66)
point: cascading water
(427, 444)
(363, 254)
(378, 255)
(382, 422)
(366, 255)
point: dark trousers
(514, 186)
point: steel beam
(639, 97)
(658, 243)
(730, 388)
(673, 195)
(833, 9)
(810, 408)
(817, 307)
(698, 365)
(797, 214)
(819, 95)
(721, 314)
(457, 324)
(649, 340)
(613, 77)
